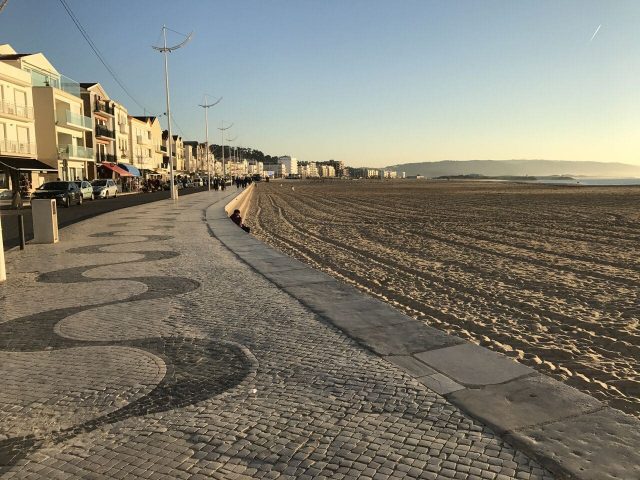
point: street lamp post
(224, 168)
(206, 107)
(166, 50)
(232, 152)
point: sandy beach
(548, 275)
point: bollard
(21, 230)
(44, 213)
(3, 271)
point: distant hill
(518, 168)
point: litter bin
(45, 220)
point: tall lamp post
(206, 107)
(232, 153)
(166, 50)
(224, 168)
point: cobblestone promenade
(140, 347)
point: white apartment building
(103, 137)
(309, 170)
(326, 170)
(145, 140)
(60, 122)
(177, 151)
(19, 167)
(123, 145)
(290, 163)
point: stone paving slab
(524, 402)
(441, 384)
(405, 339)
(595, 446)
(472, 365)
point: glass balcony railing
(103, 107)
(106, 157)
(24, 148)
(78, 151)
(102, 131)
(9, 108)
(78, 120)
(41, 78)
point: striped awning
(115, 168)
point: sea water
(591, 181)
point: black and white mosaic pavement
(196, 369)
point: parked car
(5, 197)
(104, 188)
(65, 193)
(86, 189)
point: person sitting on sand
(237, 219)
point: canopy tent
(115, 168)
(26, 165)
(130, 168)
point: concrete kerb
(570, 433)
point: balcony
(104, 132)
(41, 78)
(20, 148)
(75, 120)
(106, 157)
(123, 128)
(103, 107)
(22, 111)
(77, 151)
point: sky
(368, 82)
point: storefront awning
(130, 168)
(115, 168)
(26, 164)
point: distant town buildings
(290, 164)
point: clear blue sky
(368, 82)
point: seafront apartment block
(103, 136)
(145, 140)
(60, 123)
(177, 151)
(20, 169)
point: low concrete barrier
(241, 201)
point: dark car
(65, 193)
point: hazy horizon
(367, 82)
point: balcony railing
(102, 131)
(41, 78)
(9, 146)
(77, 151)
(106, 157)
(71, 118)
(9, 108)
(103, 107)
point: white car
(104, 188)
(86, 189)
